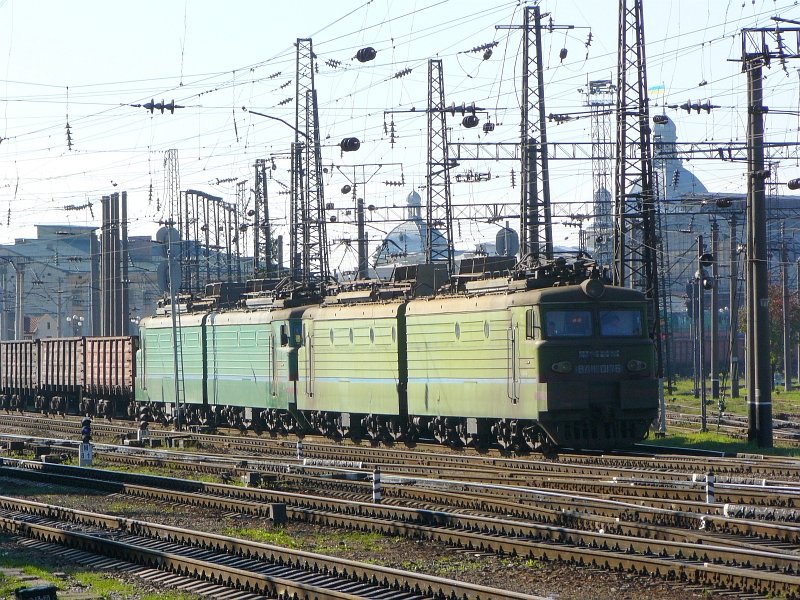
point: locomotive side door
(273, 361)
(309, 333)
(512, 384)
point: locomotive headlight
(636, 366)
(562, 367)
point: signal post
(85, 451)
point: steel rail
(540, 541)
(568, 464)
(364, 575)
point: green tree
(776, 322)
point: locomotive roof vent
(594, 288)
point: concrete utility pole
(714, 349)
(19, 313)
(787, 346)
(759, 381)
(733, 310)
(759, 47)
(362, 241)
(701, 332)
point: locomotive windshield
(580, 323)
(625, 323)
(568, 323)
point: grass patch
(711, 440)
(682, 398)
(97, 583)
(444, 566)
(107, 586)
(8, 585)
(350, 540)
(274, 537)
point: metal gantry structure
(536, 227)
(262, 232)
(635, 235)
(634, 196)
(439, 213)
(172, 185)
(308, 237)
(209, 242)
(635, 214)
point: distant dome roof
(678, 181)
(407, 240)
(414, 199)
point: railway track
(255, 568)
(429, 458)
(700, 548)
(785, 431)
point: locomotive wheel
(412, 433)
(370, 426)
(355, 432)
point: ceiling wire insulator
(69, 130)
(366, 54)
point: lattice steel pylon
(439, 213)
(635, 231)
(173, 185)
(536, 227)
(308, 227)
(178, 218)
(262, 233)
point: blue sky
(85, 61)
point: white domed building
(405, 244)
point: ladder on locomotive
(180, 387)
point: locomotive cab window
(284, 336)
(620, 323)
(568, 323)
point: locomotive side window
(284, 336)
(624, 323)
(568, 323)
(530, 324)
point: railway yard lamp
(76, 323)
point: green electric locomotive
(511, 362)
(523, 369)
(237, 368)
